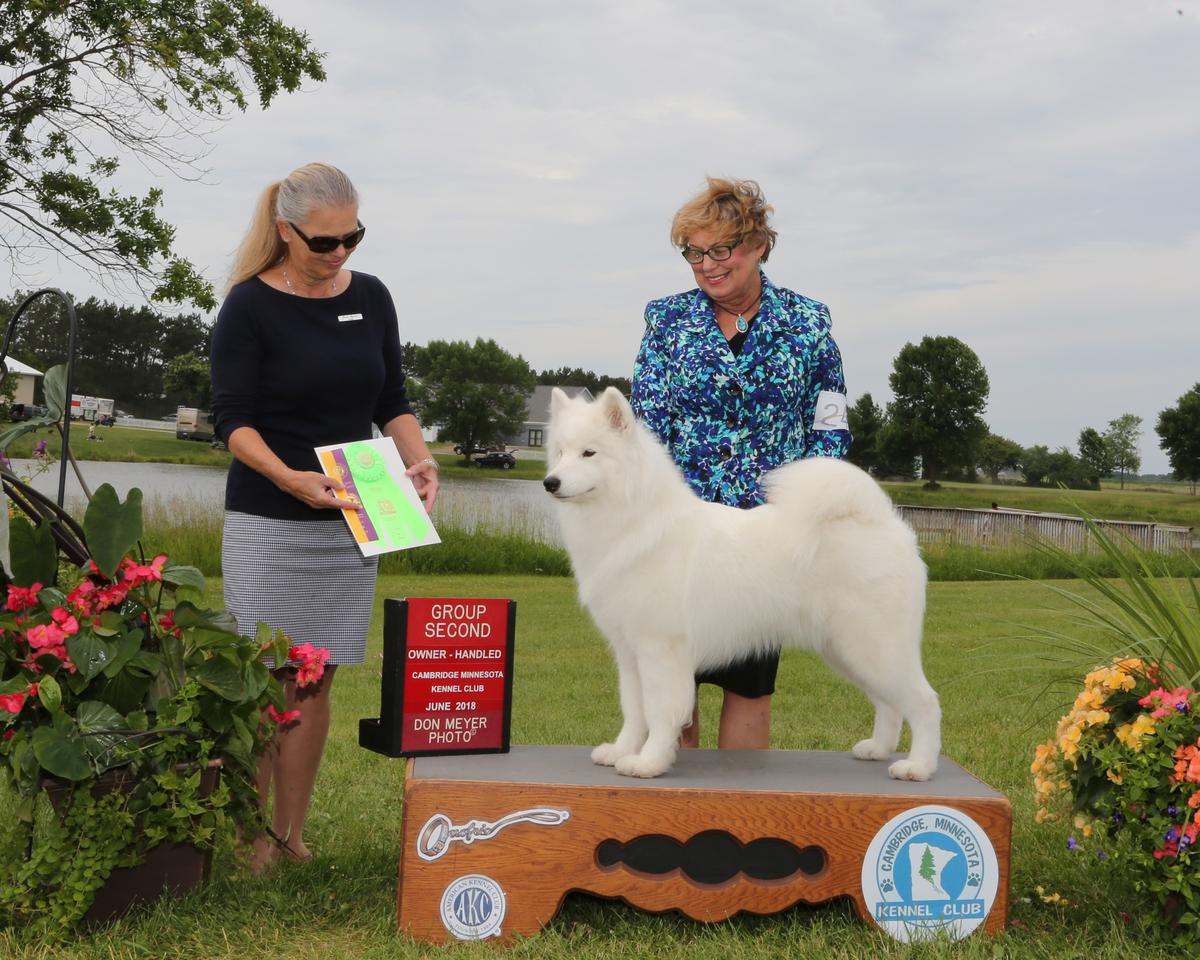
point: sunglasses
(329, 244)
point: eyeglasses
(722, 251)
(329, 244)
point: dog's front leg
(668, 692)
(633, 727)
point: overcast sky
(1020, 175)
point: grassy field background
(342, 905)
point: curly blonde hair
(733, 209)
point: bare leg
(745, 722)
(292, 762)
(689, 738)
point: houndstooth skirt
(307, 579)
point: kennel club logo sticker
(472, 907)
(930, 869)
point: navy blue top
(304, 373)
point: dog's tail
(823, 488)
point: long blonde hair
(311, 187)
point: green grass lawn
(342, 905)
(1164, 505)
(123, 444)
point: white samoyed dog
(679, 585)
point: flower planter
(170, 869)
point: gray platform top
(775, 771)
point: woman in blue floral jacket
(737, 377)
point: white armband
(831, 412)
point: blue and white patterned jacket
(728, 420)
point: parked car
(496, 458)
(26, 411)
(463, 450)
(169, 418)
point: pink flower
(283, 719)
(46, 635)
(82, 597)
(1165, 702)
(67, 623)
(310, 663)
(22, 598)
(48, 639)
(139, 573)
(33, 689)
(12, 702)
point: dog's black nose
(551, 484)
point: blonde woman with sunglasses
(305, 353)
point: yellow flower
(1114, 776)
(1096, 718)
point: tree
(1178, 429)
(120, 351)
(476, 394)
(188, 375)
(1035, 464)
(82, 84)
(941, 391)
(1121, 440)
(1094, 453)
(895, 458)
(866, 420)
(578, 377)
(1059, 468)
(998, 453)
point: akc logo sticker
(929, 870)
(472, 907)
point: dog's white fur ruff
(678, 585)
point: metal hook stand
(70, 377)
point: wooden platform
(492, 844)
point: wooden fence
(1014, 528)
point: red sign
(457, 675)
(447, 677)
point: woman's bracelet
(430, 461)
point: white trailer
(91, 408)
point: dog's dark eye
(589, 453)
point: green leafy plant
(121, 676)
(1124, 762)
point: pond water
(520, 506)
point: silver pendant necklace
(292, 290)
(741, 324)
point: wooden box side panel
(538, 865)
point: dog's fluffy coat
(679, 585)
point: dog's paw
(639, 765)
(871, 750)
(911, 770)
(607, 754)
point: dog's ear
(617, 410)
(558, 400)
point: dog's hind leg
(668, 692)
(890, 674)
(920, 707)
(633, 726)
